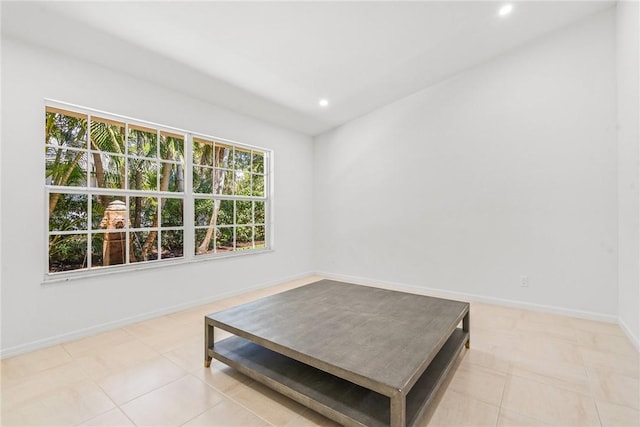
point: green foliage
(171, 148)
(112, 167)
(200, 237)
(242, 183)
(172, 244)
(244, 237)
(257, 165)
(83, 151)
(176, 177)
(65, 135)
(108, 161)
(225, 213)
(65, 131)
(138, 239)
(172, 212)
(242, 160)
(202, 152)
(96, 249)
(259, 235)
(224, 239)
(257, 184)
(70, 213)
(203, 209)
(107, 137)
(143, 211)
(259, 212)
(143, 175)
(67, 252)
(244, 213)
(142, 144)
(202, 180)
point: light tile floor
(524, 368)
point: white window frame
(234, 197)
(188, 197)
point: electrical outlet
(524, 281)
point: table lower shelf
(334, 397)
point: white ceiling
(275, 60)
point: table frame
(285, 369)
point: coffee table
(362, 356)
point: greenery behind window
(117, 191)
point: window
(118, 193)
(229, 202)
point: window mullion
(269, 223)
(127, 236)
(126, 160)
(89, 229)
(158, 164)
(88, 183)
(189, 201)
(47, 234)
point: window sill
(59, 278)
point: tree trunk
(218, 185)
(164, 186)
(97, 161)
(180, 183)
(212, 224)
(138, 202)
(179, 178)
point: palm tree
(107, 138)
(64, 168)
(112, 156)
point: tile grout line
(588, 376)
(591, 393)
(117, 406)
(528, 416)
(248, 409)
(232, 400)
(504, 390)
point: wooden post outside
(114, 244)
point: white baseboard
(104, 327)
(471, 297)
(634, 340)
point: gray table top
(377, 337)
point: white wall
(628, 33)
(505, 170)
(34, 314)
(508, 169)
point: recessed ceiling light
(505, 10)
(323, 102)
